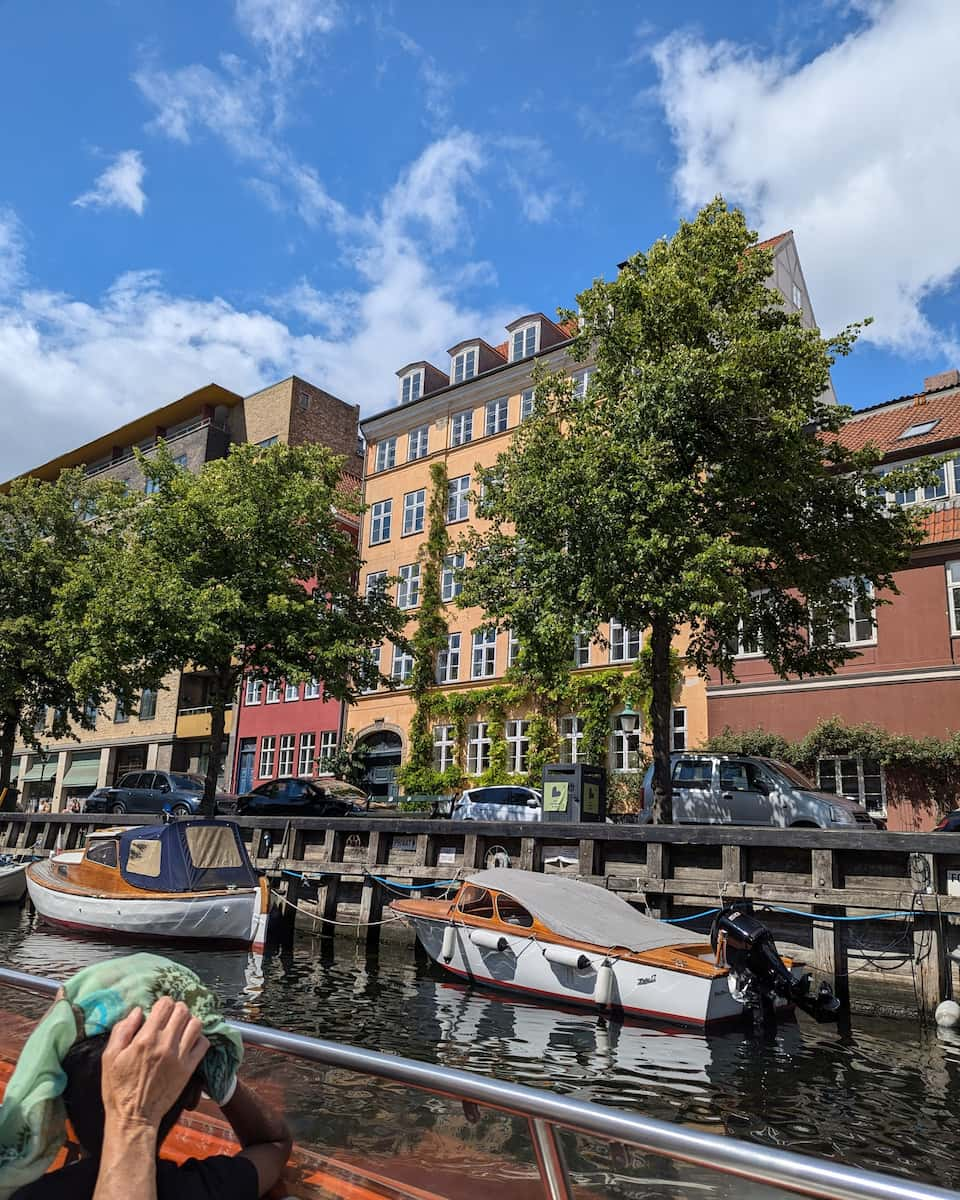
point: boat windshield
(476, 901)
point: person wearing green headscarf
(127, 1046)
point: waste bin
(574, 792)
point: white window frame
(381, 518)
(307, 754)
(268, 749)
(402, 666)
(513, 648)
(375, 653)
(461, 427)
(376, 582)
(571, 737)
(285, 756)
(496, 416)
(463, 364)
(678, 728)
(273, 691)
(852, 621)
(414, 511)
(478, 747)
(311, 689)
(518, 746)
(526, 403)
(581, 650)
(329, 741)
(451, 585)
(581, 381)
(254, 692)
(408, 586)
(411, 386)
(741, 650)
(386, 454)
(950, 486)
(483, 660)
(458, 505)
(418, 443)
(291, 692)
(834, 784)
(448, 660)
(624, 749)
(444, 746)
(796, 295)
(953, 595)
(525, 341)
(625, 638)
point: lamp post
(629, 721)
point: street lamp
(629, 719)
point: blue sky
(243, 189)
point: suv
(151, 792)
(729, 789)
(300, 798)
(498, 804)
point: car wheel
(118, 807)
(180, 810)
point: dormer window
(525, 341)
(464, 365)
(411, 387)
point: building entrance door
(382, 752)
(248, 749)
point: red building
(905, 677)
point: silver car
(505, 803)
(728, 789)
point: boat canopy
(581, 912)
(185, 856)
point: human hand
(147, 1064)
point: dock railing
(550, 1117)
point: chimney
(946, 379)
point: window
(678, 734)
(496, 411)
(581, 379)
(857, 778)
(513, 648)
(386, 454)
(451, 585)
(797, 297)
(120, 714)
(380, 515)
(303, 401)
(465, 365)
(526, 404)
(373, 659)
(151, 487)
(285, 758)
(254, 693)
(104, 852)
(89, 714)
(581, 650)
(267, 751)
(311, 690)
(147, 710)
(414, 507)
(953, 595)
(418, 443)
(478, 748)
(291, 691)
(270, 441)
(919, 429)
(848, 624)
(458, 507)
(376, 582)
(448, 660)
(410, 387)
(328, 744)
(693, 773)
(626, 749)
(512, 913)
(402, 665)
(624, 642)
(518, 744)
(461, 428)
(477, 902)
(307, 756)
(524, 341)
(571, 735)
(40, 724)
(273, 691)
(408, 590)
(747, 643)
(180, 460)
(484, 654)
(444, 747)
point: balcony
(195, 722)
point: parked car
(153, 792)
(295, 797)
(727, 789)
(948, 824)
(506, 803)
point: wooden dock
(341, 874)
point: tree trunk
(8, 737)
(220, 695)
(661, 704)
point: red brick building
(905, 677)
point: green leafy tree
(697, 481)
(247, 568)
(45, 530)
(348, 762)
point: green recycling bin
(574, 793)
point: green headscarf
(32, 1117)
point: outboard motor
(748, 949)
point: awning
(82, 772)
(39, 772)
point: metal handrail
(760, 1164)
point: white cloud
(120, 185)
(11, 250)
(286, 28)
(855, 150)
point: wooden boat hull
(237, 917)
(13, 883)
(650, 992)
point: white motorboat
(13, 880)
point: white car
(507, 803)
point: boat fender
(568, 957)
(603, 989)
(486, 939)
(449, 943)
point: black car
(151, 792)
(950, 823)
(294, 798)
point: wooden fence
(341, 874)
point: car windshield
(187, 783)
(792, 775)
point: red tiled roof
(942, 526)
(769, 243)
(883, 427)
(502, 349)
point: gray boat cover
(580, 911)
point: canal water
(884, 1096)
